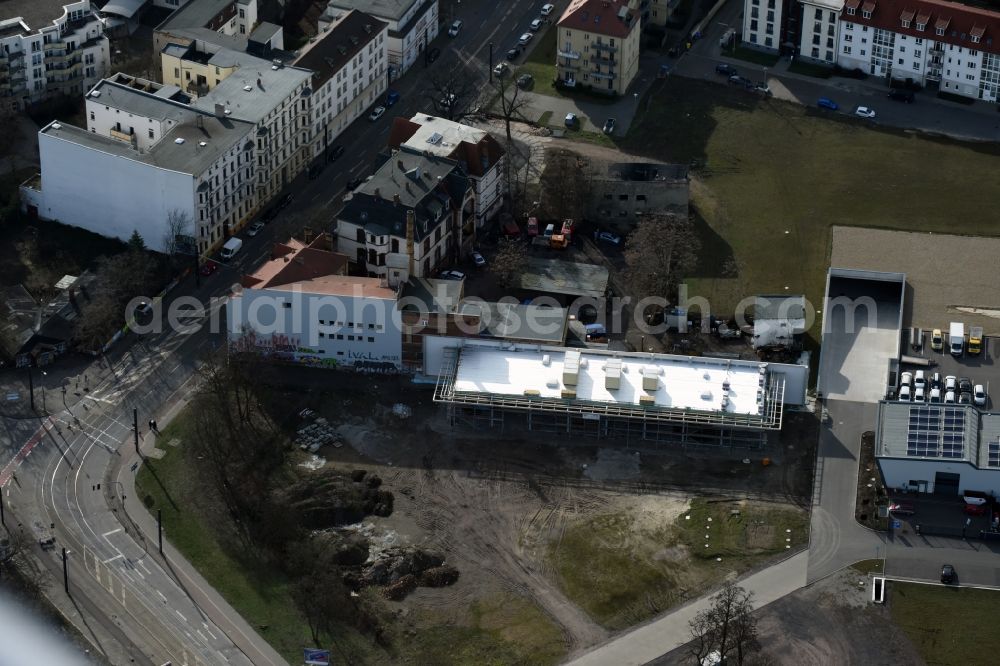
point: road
(62, 472)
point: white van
(232, 246)
(549, 230)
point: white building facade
(954, 47)
(352, 324)
(762, 21)
(413, 25)
(65, 54)
(350, 61)
(819, 27)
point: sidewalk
(215, 607)
(672, 630)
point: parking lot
(983, 368)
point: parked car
(536, 25)
(501, 70)
(208, 267)
(354, 183)
(934, 396)
(433, 54)
(285, 201)
(524, 39)
(456, 25)
(547, 9)
(901, 509)
(936, 382)
(391, 97)
(478, 259)
(723, 68)
(905, 393)
(609, 126)
(451, 275)
(376, 113)
(937, 340)
(919, 379)
(864, 112)
(900, 95)
(979, 396)
(532, 227)
(965, 398)
(763, 89)
(571, 120)
(947, 574)
(525, 81)
(906, 379)
(513, 53)
(964, 384)
(918, 394)
(255, 228)
(608, 237)
(737, 80)
(336, 152)
(664, 70)
(827, 103)
(950, 383)
(949, 398)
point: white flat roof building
(590, 392)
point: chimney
(411, 219)
(395, 199)
(200, 121)
(259, 84)
(220, 110)
(377, 193)
(399, 163)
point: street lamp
(491, 62)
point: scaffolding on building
(585, 418)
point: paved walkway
(672, 630)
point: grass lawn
(947, 625)
(809, 69)
(622, 572)
(771, 178)
(752, 55)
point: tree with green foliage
(135, 242)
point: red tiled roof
(295, 262)
(599, 17)
(960, 22)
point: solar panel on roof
(936, 432)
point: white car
(904, 393)
(255, 229)
(906, 379)
(919, 380)
(547, 9)
(949, 398)
(535, 25)
(455, 27)
(451, 275)
(918, 394)
(864, 112)
(501, 70)
(979, 395)
(525, 38)
(376, 113)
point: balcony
(199, 89)
(569, 65)
(599, 46)
(572, 55)
(126, 137)
(601, 60)
(604, 75)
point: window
(975, 39)
(815, 53)
(322, 334)
(973, 53)
(91, 115)
(286, 305)
(847, 50)
(770, 15)
(829, 55)
(816, 39)
(970, 77)
(906, 24)
(921, 26)
(151, 134)
(902, 49)
(622, 197)
(340, 336)
(849, 26)
(916, 67)
(767, 41)
(829, 44)
(917, 53)
(819, 14)
(850, 11)
(770, 29)
(900, 61)
(862, 52)
(939, 32)
(753, 25)
(370, 339)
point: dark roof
(436, 296)
(648, 171)
(601, 17)
(526, 323)
(960, 22)
(345, 38)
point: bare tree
(661, 250)
(449, 94)
(508, 261)
(510, 103)
(726, 629)
(178, 236)
(565, 185)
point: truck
(975, 339)
(956, 338)
(561, 239)
(232, 246)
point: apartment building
(597, 45)
(818, 30)
(934, 43)
(657, 12)
(227, 23)
(478, 154)
(407, 220)
(349, 63)
(766, 23)
(49, 48)
(413, 25)
(302, 307)
(145, 155)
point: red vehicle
(532, 227)
(209, 267)
(976, 509)
(567, 229)
(511, 229)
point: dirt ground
(829, 622)
(933, 294)
(492, 502)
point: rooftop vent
(95, 94)
(434, 138)
(202, 144)
(248, 88)
(178, 141)
(56, 126)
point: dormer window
(975, 39)
(939, 32)
(906, 24)
(921, 26)
(850, 11)
(865, 14)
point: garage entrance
(946, 483)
